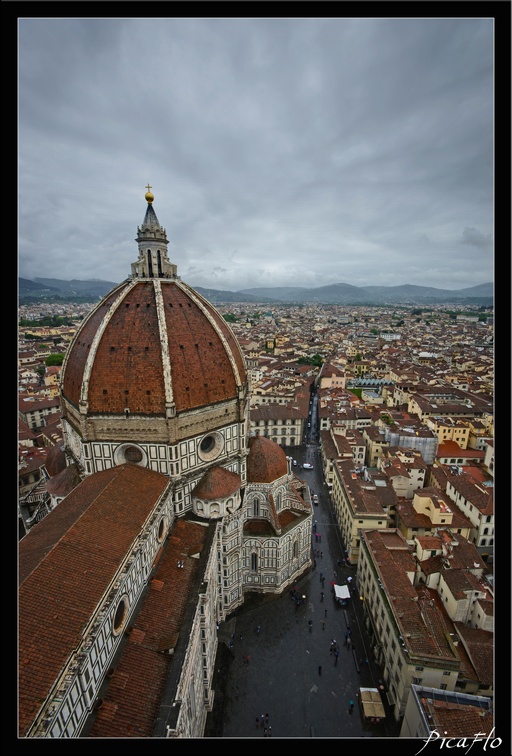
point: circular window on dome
(120, 615)
(130, 453)
(211, 446)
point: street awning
(342, 591)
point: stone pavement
(291, 674)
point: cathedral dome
(266, 461)
(150, 344)
(152, 348)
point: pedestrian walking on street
(351, 706)
(270, 732)
(321, 595)
(321, 555)
(265, 731)
(348, 642)
(325, 615)
(319, 670)
(258, 630)
(321, 575)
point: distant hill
(225, 297)
(53, 289)
(345, 294)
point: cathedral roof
(56, 460)
(266, 461)
(67, 562)
(63, 482)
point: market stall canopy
(342, 591)
(371, 703)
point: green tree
(54, 359)
(317, 360)
(32, 337)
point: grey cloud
(318, 149)
(474, 238)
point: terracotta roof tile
(138, 683)
(66, 562)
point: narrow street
(292, 675)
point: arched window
(256, 507)
(295, 549)
(254, 562)
(486, 530)
(278, 501)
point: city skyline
(280, 152)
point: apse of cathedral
(165, 514)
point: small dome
(217, 483)
(266, 461)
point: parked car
(315, 499)
(307, 466)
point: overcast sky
(280, 152)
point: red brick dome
(150, 344)
(266, 460)
(217, 483)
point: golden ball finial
(149, 197)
